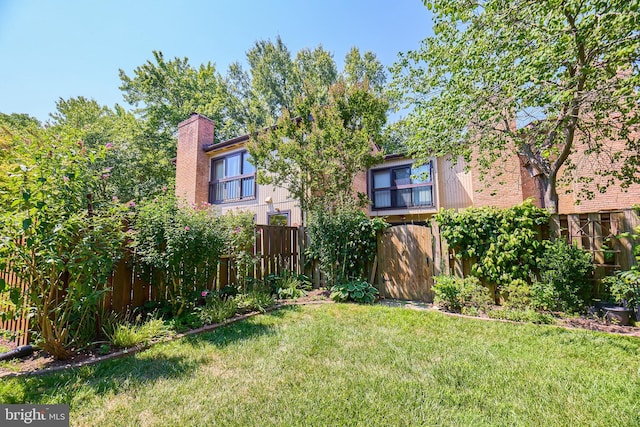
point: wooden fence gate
(405, 262)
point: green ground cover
(357, 365)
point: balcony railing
(232, 189)
(404, 196)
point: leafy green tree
(274, 79)
(133, 163)
(17, 121)
(58, 233)
(358, 68)
(527, 77)
(315, 150)
(167, 92)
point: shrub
(518, 295)
(238, 230)
(503, 241)
(217, 310)
(461, 295)
(623, 288)
(357, 291)
(343, 241)
(180, 246)
(59, 231)
(565, 277)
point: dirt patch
(314, 295)
(595, 324)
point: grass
(357, 365)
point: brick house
(221, 174)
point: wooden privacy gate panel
(405, 262)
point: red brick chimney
(192, 163)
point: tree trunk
(550, 200)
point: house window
(233, 178)
(280, 218)
(402, 187)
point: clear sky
(66, 48)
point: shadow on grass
(139, 369)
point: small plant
(517, 295)
(357, 291)
(104, 349)
(291, 285)
(623, 289)
(565, 276)
(217, 310)
(461, 295)
(127, 335)
(255, 300)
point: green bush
(357, 291)
(565, 277)
(461, 295)
(238, 230)
(518, 295)
(180, 246)
(504, 242)
(623, 288)
(343, 241)
(60, 232)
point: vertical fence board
(574, 231)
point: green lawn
(357, 365)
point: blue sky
(67, 48)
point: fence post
(301, 259)
(629, 221)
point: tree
(315, 150)
(135, 166)
(274, 80)
(358, 68)
(167, 92)
(526, 77)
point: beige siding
(455, 186)
(280, 202)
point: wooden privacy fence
(276, 249)
(410, 254)
(16, 326)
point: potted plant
(625, 291)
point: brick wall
(192, 163)
(572, 198)
(502, 186)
